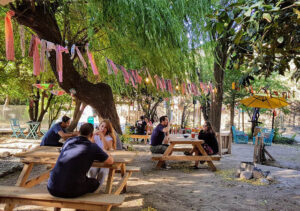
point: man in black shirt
(68, 178)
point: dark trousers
(90, 186)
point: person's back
(68, 178)
(51, 138)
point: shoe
(165, 166)
(187, 153)
(195, 167)
(202, 162)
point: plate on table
(186, 135)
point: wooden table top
(182, 140)
(52, 153)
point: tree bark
(43, 22)
(79, 108)
(219, 67)
(6, 103)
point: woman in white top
(106, 140)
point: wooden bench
(134, 136)
(27, 196)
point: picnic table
(48, 155)
(180, 141)
(32, 128)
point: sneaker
(187, 153)
(165, 166)
(195, 167)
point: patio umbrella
(264, 101)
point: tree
(151, 33)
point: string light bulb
(147, 80)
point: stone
(238, 173)
(257, 174)
(264, 181)
(247, 166)
(246, 175)
(270, 177)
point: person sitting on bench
(68, 178)
(210, 144)
(57, 131)
(159, 137)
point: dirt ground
(183, 188)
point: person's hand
(101, 134)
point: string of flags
(40, 48)
(286, 94)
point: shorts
(159, 149)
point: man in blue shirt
(56, 132)
(68, 178)
(159, 139)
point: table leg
(21, 182)
(24, 175)
(168, 152)
(123, 172)
(203, 152)
(110, 180)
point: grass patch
(182, 166)
(229, 175)
(149, 209)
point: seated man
(159, 139)
(57, 131)
(68, 178)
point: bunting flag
(22, 39)
(114, 67)
(233, 86)
(59, 62)
(73, 51)
(80, 57)
(50, 46)
(43, 86)
(34, 52)
(9, 36)
(109, 68)
(139, 78)
(92, 61)
(42, 56)
(125, 73)
(58, 92)
(132, 79)
(156, 80)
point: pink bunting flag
(139, 78)
(59, 61)
(9, 36)
(156, 80)
(211, 87)
(81, 57)
(34, 52)
(163, 83)
(109, 69)
(170, 86)
(42, 57)
(22, 39)
(92, 61)
(114, 67)
(125, 74)
(58, 92)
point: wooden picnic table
(48, 155)
(196, 145)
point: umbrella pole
(273, 120)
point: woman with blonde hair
(105, 138)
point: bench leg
(168, 152)
(203, 152)
(123, 172)
(110, 181)
(9, 207)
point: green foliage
(279, 139)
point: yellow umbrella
(264, 101)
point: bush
(284, 140)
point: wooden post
(243, 118)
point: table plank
(47, 153)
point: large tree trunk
(232, 111)
(79, 108)
(219, 67)
(41, 19)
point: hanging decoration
(58, 92)
(43, 86)
(92, 61)
(59, 62)
(9, 36)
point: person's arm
(103, 156)
(109, 160)
(166, 129)
(65, 136)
